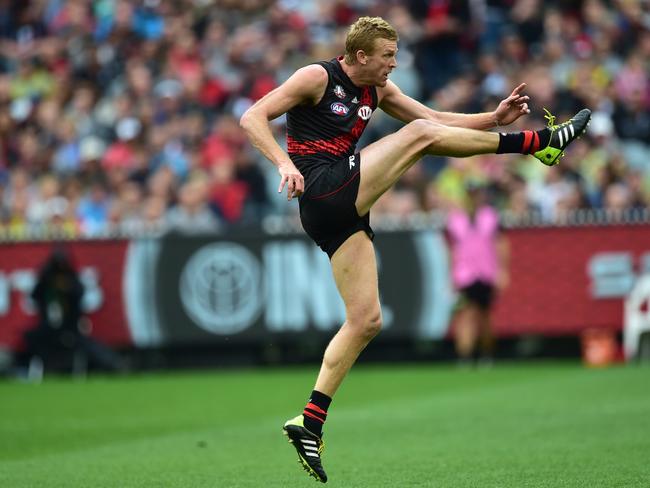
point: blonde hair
(362, 35)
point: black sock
(315, 412)
(526, 142)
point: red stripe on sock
(309, 414)
(528, 137)
(535, 147)
(316, 408)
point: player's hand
(291, 177)
(512, 107)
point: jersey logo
(355, 100)
(364, 112)
(339, 92)
(339, 109)
(351, 160)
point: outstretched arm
(402, 107)
(306, 85)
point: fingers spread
(291, 186)
(294, 183)
(518, 89)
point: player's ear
(361, 56)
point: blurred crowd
(122, 116)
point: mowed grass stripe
(539, 425)
(581, 428)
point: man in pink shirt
(479, 267)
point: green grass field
(515, 425)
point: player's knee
(368, 323)
(373, 325)
(426, 131)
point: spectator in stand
(142, 86)
(192, 214)
(18, 225)
(153, 214)
(442, 50)
(518, 207)
(93, 210)
(226, 193)
(46, 195)
(67, 158)
(126, 210)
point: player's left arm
(402, 107)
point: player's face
(382, 61)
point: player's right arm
(306, 86)
(402, 107)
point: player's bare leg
(355, 273)
(383, 162)
(386, 160)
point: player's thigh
(384, 161)
(355, 273)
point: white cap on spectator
(128, 128)
(56, 207)
(20, 109)
(91, 147)
(601, 125)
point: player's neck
(355, 73)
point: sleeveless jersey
(320, 135)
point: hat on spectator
(91, 147)
(56, 207)
(20, 109)
(601, 125)
(128, 128)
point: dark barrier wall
(252, 288)
(204, 290)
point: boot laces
(550, 118)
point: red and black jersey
(329, 131)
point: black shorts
(478, 293)
(327, 210)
